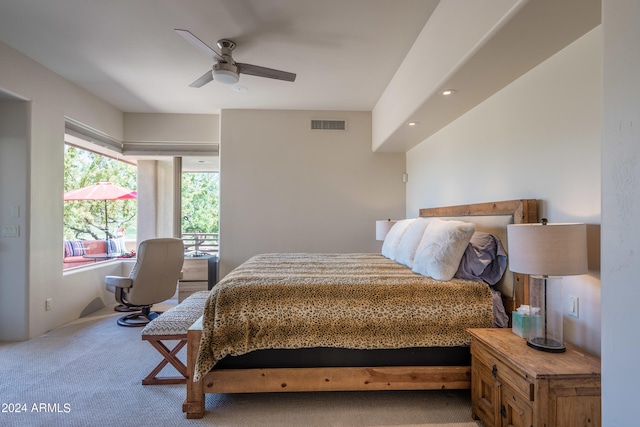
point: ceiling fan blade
(203, 80)
(270, 73)
(199, 44)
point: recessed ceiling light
(412, 123)
(447, 92)
(239, 88)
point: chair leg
(140, 318)
(133, 320)
(125, 308)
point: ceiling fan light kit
(226, 70)
(225, 73)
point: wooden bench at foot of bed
(313, 379)
(172, 326)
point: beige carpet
(88, 373)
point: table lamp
(546, 251)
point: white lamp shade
(383, 227)
(557, 249)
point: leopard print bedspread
(358, 301)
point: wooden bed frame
(352, 378)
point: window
(200, 204)
(100, 207)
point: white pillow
(410, 240)
(442, 247)
(393, 237)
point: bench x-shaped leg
(170, 356)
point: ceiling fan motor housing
(226, 72)
(224, 44)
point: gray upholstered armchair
(153, 279)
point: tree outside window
(85, 220)
(200, 202)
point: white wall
(537, 138)
(89, 293)
(156, 203)
(51, 100)
(167, 190)
(147, 220)
(286, 188)
(620, 213)
(146, 127)
(14, 164)
(30, 80)
(464, 25)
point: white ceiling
(126, 52)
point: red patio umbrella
(101, 191)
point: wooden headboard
(493, 217)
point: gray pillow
(484, 259)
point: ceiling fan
(226, 70)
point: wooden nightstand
(198, 274)
(515, 385)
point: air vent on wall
(317, 124)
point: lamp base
(546, 344)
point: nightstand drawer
(504, 373)
(195, 270)
(203, 268)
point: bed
(337, 322)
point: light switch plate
(10, 231)
(573, 306)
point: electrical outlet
(573, 306)
(47, 304)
